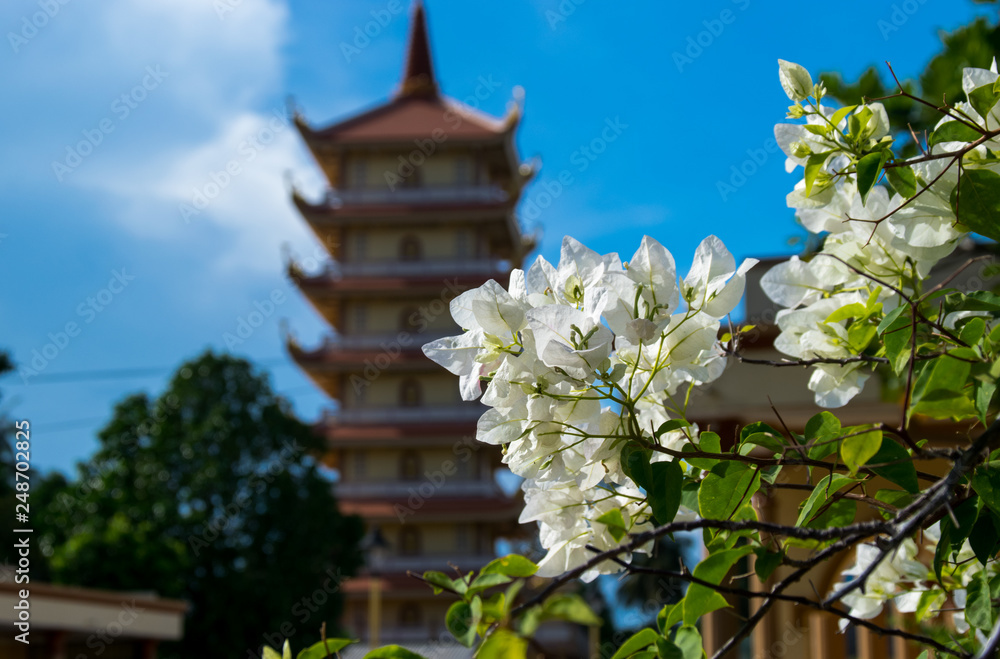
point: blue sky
(116, 114)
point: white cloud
(218, 106)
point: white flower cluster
(892, 239)
(903, 580)
(579, 356)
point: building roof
(418, 109)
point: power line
(120, 373)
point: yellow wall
(441, 168)
(385, 244)
(384, 464)
(387, 317)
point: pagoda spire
(418, 77)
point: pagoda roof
(436, 508)
(417, 110)
(394, 286)
(409, 213)
(333, 357)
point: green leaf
(943, 550)
(319, 650)
(462, 619)
(635, 464)
(940, 389)
(855, 310)
(503, 644)
(903, 474)
(978, 607)
(983, 99)
(897, 339)
(973, 330)
(903, 180)
(839, 513)
(636, 643)
(929, 603)
(767, 562)
(571, 608)
(708, 442)
(393, 652)
(700, 599)
(869, 169)
(814, 166)
(826, 488)
(615, 522)
(859, 335)
(723, 490)
(822, 432)
(664, 492)
(976, 202)
(669, 615)
(688, 640)
(986, 482)
(766, 440)
(890, 318)
(839, 115)
(953, 131)
(985, 538)
(485, 581)
(439, 581)
(894, 498)
(510, 565)
(271, 653)
(670, 426)
(667, 650)
(858, 449)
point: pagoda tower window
(409, 466)
(410, 393)
(359, 174)
(410, 541)
(405, 323)
(409, 616)
(410, 248)
(463, 171)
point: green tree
(211, 494)
(972, 45)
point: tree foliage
(208, 493)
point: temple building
(420, 207)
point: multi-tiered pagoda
(420, 207)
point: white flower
(795, 80)
(714, 285)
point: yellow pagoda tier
(420, 207)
